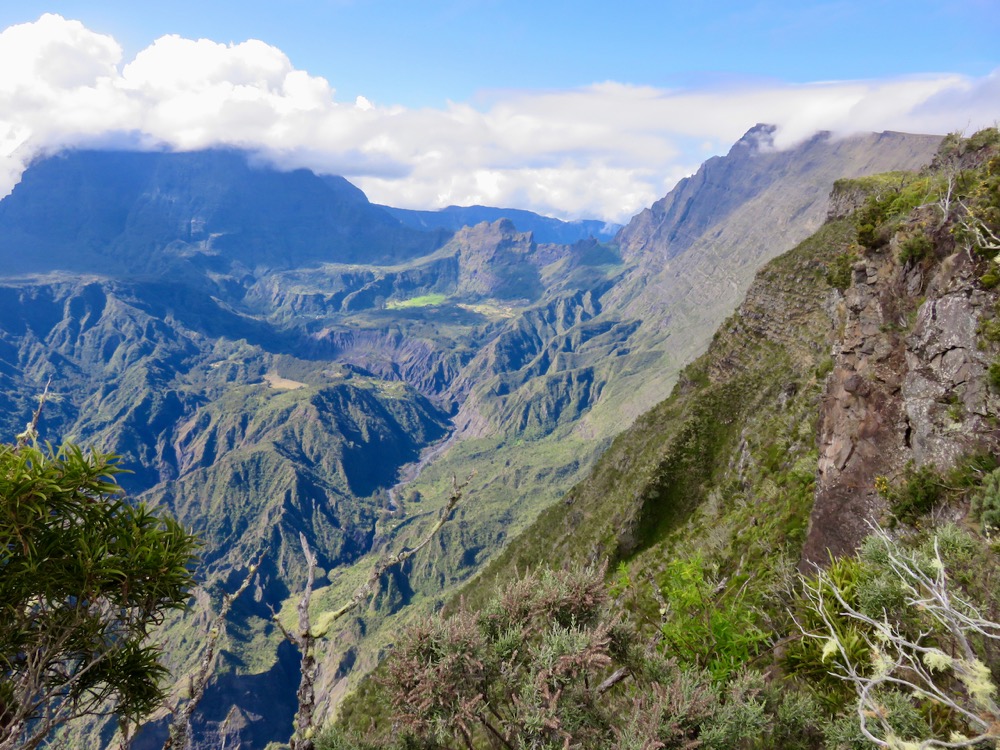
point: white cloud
(605, 151)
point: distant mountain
(273, 355)
(125, 213)
(694, 253)
(544, 228)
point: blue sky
(569, 108)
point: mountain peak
(799, 179)
(758, 138)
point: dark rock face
(898, 394)
(496, 261)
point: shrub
(993, 374)
(921, 490)
(548, 664)
(986, 503)
(926, 675)
(915, 248)
(990, 279)
(870, 237)
(838, 272)
(707, 624)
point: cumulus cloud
(605, 151)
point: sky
(573, 109)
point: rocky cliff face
(863, 354)
(909, 381)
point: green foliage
(985, 138)
(424, 300)
(924, 614)
(979, 189)
(986, 503)
(838, 271)
(334, 738)
(989, 329)
(527, 656)
(991, 278)
(844, 733)
(869, 235)
(824, 368)
(547, 665)
(706, 622)
(915, 248)
(860, 614)
(85, 575)
(888, 200)
(808, 658)
(920, 491)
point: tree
(84, 576)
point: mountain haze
(543, 228)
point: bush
(921, 490)
(993, 374)
(926, 677)
(548, 664)
(870, 237)
(708, 624)
(986, 503)
(990, 279)
(915, 248)
(838, 272)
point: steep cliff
(856, 359)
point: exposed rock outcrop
(908, 385)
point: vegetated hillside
(265, 394)
(611, 354)
(858, 382)
(856, 361)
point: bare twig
(306, 637)
(908, 663)
(180, 727)
(30, 434)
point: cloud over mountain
(605, 150)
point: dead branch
(305, 639)
(907, 663)
(180, 727)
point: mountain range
(271, 354)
